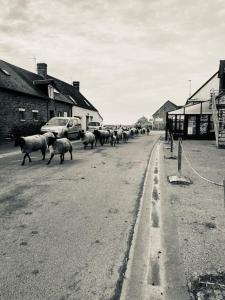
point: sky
(130, 56)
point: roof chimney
(42, 69)
(221, 75)
(76, 84)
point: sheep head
(19, 142)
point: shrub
(25, 129)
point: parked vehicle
(69, 127)
(94, 126)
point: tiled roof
(19, 80)
(68, 90)
(22, 81)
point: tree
(142, 122)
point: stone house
(28, 100)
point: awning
(202, 108)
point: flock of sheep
(62, 145)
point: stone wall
(11, 103)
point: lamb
(119, 134)
(101, 136)
(126, 135)
(133, 131)
(31, 143)
(143, 130)
(113, 140)
(59, 146)
(87, 138)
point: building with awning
(199, 117)
(194, 121)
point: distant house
(159, 117)
(28, 100)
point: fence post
(171, 146)
(179, 156)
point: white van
(69, 127)
(92, 125)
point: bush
(25, 129)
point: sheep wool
(33, 143)
(88, 137)
(60, 146)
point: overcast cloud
(130, 56)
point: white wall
(82, 112)
(204, 93)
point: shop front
(191, 122)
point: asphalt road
(66, 229)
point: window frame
(35, 111)
(22, 116)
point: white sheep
(113, 140)
(31, 143)
(126, 135)
(59, 146)
(87, 138)
(47, 135)
(119, 134)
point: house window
(87, 103)
(72, 99)
(50, 91)
(60, 114)
(65, 114)
(203, 129)
(5, 72)
(180, 122)
(191, 125)
(35, 114)
(22, 114)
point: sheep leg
(71, 155)
(92, 145)
(23, 162)
(43, 154)
(29, 157)
(52, 155)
